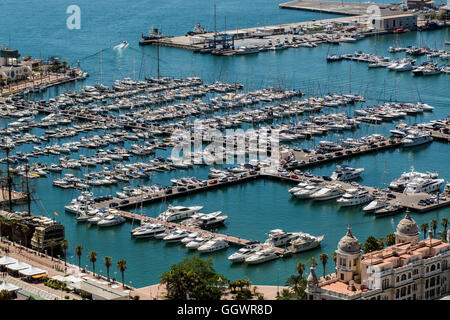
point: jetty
(334, 7)
(235, 241)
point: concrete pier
(345, 8)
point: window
(433, 267)
(415, 271)
(414, 287)
(409, 289)
(426, 284)
(432, 280)
(403, 277)
(426, 294)
(428, 269)
(398, 279)
(342, 276)
(438, 290)
(397, 293)
(409, 275)
(355, 262)
(438, 265)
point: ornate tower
(407, 230)
(348, 258)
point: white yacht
(305, 242)
(306, 192)
(374, 205)
(176, 235)
(298, 187)
(261, 256)
(111, 220)
(416, 138)
(354, 197)
(345, 173)
(197, 242)
(213, 245)
(243, 253)
(423, 185)
(174, 213)
(148, 230)
(407, 177)
(190, 237)
(278, 237)
(327, 193)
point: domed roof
(407, 226)
(349, 244)
(312, 278)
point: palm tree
(93, 258)
(424, 228)
(324, 259)
(444, 223)
(434, 226)
(64, 246)
(79, 251)
(334, 257)
(108, 264)
(25, 231)
(122, 266)
(52, 245)
(300, 269)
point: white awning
(18, 266)
(32, 271)
(5, 260)
(8, 286)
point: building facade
(391, 23)
(408, 270)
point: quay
(175, 192)
(344, 8)
(48, 81)
(307, 160)
(407, 201)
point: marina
(110, 137)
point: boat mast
(9, 180)
(27, 169)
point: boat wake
(121, 45)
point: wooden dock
(235, 241)
(308, 160)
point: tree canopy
(193, 278)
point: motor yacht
(306, 192)
(278, 237)
(389, 210)
(305, 242)
(197, 242)
(261, 256)
(354, 197)
(207, 221)
(374, 205)
(213, 245)
(420, 185)
(327, 193)
(148, 230)
(416, 138)
(174, 213)
(111, 220)
(245, 252)
(345, 173)
(176, 235)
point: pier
(235, 241)
(344, 8)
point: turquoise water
(39, 29)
